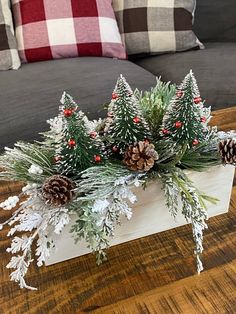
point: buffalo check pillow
(156, 26)
(9, 58)
(53, 29)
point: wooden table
(155, 274)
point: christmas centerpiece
(85, 174)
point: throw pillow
(9, 58)
(52, 29)
(156, 26)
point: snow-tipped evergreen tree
(77, 149)
(185, 121)
(126, 123)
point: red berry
(178, 124)
(179, 93)
(115, 149)
(57, 158)
(165, 131)
(97, 158)
(195, 142)
(93, 134)
(67, 112)
(203, 119)
(114, 96)
(71, 142)
(197, 100)
(136, 119)
(110, 114)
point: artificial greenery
(154, 104)
(76, 149)
(98, 186)
(125, 122)
(102, 186)
(200, 158)
(16, 162)
(185, 120)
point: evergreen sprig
(107, 184)
(154, 104)
(87, 228)
(200, 158)
(98, 182)
(16, 162)
(177, 186)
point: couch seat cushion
(31, 95)
(214, 68)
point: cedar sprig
(154, 104)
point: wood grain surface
(155, 274)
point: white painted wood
(150, 215)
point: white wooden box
(150, 215)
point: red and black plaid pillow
(51, 29)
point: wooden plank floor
(155, 274)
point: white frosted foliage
(10, 203)
(35, 169)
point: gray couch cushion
(31, 95)
(214, 67)
(215, 20)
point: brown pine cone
(140, 157)
(57, 190)
(227, 149)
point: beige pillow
(9, 58)
(156, 26)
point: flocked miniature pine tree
(126, 125)
(185, 121)
(78, 150)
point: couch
(31, 95)
(215, 66)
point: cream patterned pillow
(156, 26)
(9, 58)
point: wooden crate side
(150, 215)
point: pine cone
(58, 190)
(140, 157)
(227, 150)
